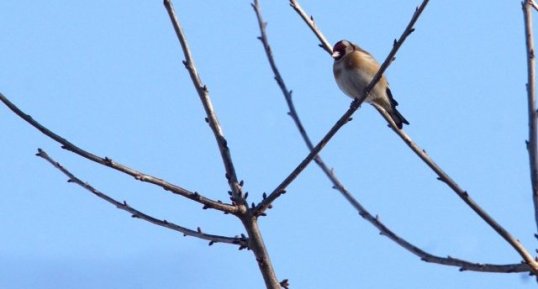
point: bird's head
(341, 49)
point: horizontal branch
(208, 203)
(242, 242)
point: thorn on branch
(206, 119)
(211, 243)
(199, 230)
(108, 161)
(264, 195)
(185, 63)
(71, 180)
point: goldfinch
(353, 70)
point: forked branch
(203, 93)
(281, 188)
(242, 242)
(375, 221)
(195, 196)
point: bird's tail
(398, 118)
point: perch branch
(355, 104)
(384, 230)
(203, 93)
(464, 195)
(532, 143)
(208, 203)
(240, 241)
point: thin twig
(312, 24)
(532, 143)
(203, 93)
(355, 104)
(208, 203)
(464, 195)
(384, 230)
(242, 242)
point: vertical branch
(203, 93)
(532, 142)
(246, 215)
(257, 246)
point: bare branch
(355, 104)
(384, 230)
(532, 143)
(245, 214)
(464, 195)
(240, 241)
(203, 93)
(208, 203)
(309, 20)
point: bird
(353, 70)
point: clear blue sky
(107, 75)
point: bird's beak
(336, 54)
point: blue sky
(107, 75)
